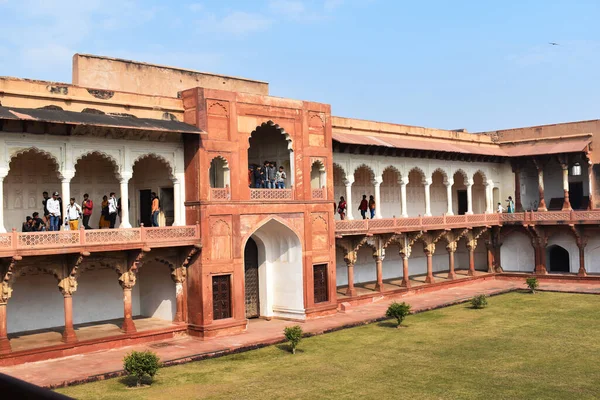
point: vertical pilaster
(3, 173)
(377, 186)
(4, 342)
(65, 194)
(379, 268)
(403, 183)
(591, 183)
(582, 271)
(177, 202)
(542, 202)
(405, 277)
(565, 181)
(427, 185)
(178, 275)
(489, 190)
(350, 291)
(449, 184)
(451, 248)
(518, 202)
(124, 189)
(348, 183)
(127, 282)
(471, 261)
(469, 185)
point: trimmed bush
(293, 334)
(532, 284)
(141, 364)
(399, 311)
(479, 301)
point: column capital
(469, 182)
(427, 181)
(349, 180)
(404, 180)
(449, 182)
(127, 280)
(489, 182)
(126, 176)
(68, 286)
(67, 175)
(377, 180)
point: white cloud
(237, 23)
(195, 7)
(289, 7)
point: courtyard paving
(59, 372)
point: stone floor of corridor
(58, 372)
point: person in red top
(341, 209)
(88, 207)
(364, 206)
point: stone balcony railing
(271, 194)
(373, 226)
(40, 243)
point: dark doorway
(167, 205)
(462, 202)
(251, 279)
(558, 259)
(576, 195)
(145, 207)
(221, 286)
(320, 282)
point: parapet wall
(138, 77)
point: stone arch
(417, 170)
(366, 167)
(442, 171)
(339, 169)
(31, 269)
(461, 172)
(318, 174)
(362, 186)
(516, 253)
(280, 270)
(49, 154)
(105, 156)
(415, 192)
(390, 192)
(438, 192)
(481, 173)
(271, 124)
(219, 172)
(158, 157)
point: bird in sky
(553, 43)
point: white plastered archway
(280, 272)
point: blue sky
(462, 64)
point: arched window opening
(479, 196)
(219, 173)
(318, 180)
(270, 149)
(30, 174)
(558, 259)
(415, 193)
(438, 193)
(151, 174)
(459, 193)
(390, 193)
(363, 186)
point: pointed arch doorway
(273, 273)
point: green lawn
(523, 346)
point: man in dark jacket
(364, 206)
(258, 176)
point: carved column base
(69, 336)
(451, 275)
(351, 292)
(429, 278)
(499, 269)
(581, 272)
(5, 346)
(128, 326)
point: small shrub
(398, 311)
(532, 283)
(479, 301)
(293, 334)
(141, 364)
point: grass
(542, 346)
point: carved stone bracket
(452, 238)
(430, 239)
(135, 259)
(7, 270)
(68, 282)
(473, 235)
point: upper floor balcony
(77, 241)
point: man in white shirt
(112, 210)
(73, 213)
(500, 208)
(53, 207)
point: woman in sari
(104, 220)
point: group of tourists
(266, 176)
(366, 207)
(110, 209)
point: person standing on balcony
(363, 207)
(88, 206)
(73, 214)
(281, 177)
(271, 173)
(341, 209)
(46, 213)
(104, 221)
(500, 208)
(155, 209)
(372, 206)
(258, 177)
(112, 210)
(53, 206)
(511, 205)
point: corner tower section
(268, 243)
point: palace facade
(226, 251)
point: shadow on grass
(286, 348)
(387, 324)
(131, 381)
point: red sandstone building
(227, 252)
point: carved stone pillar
(377, 186)
(67, 287)
(469, 185)
(65, 194)
(582, 271)
(490, 256)
(429, 249)
(127, 282)
(518, 202)
(565, 178)
(3, 173)
(449, 184)
(403, 183)
(489, 195)
(179, 275)
(350, 259)
(542, 202)
(405, 277)
(591, 183)
(6, 272)
(451, 247)
(379, 267)
(124, 186)
(427, 185)
(348, 183)
(471, 246)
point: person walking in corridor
(112, 210)
(88, 206)
(363, 207)
(53, 207)
(341, 208)
(372, 206)
(155, 209)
